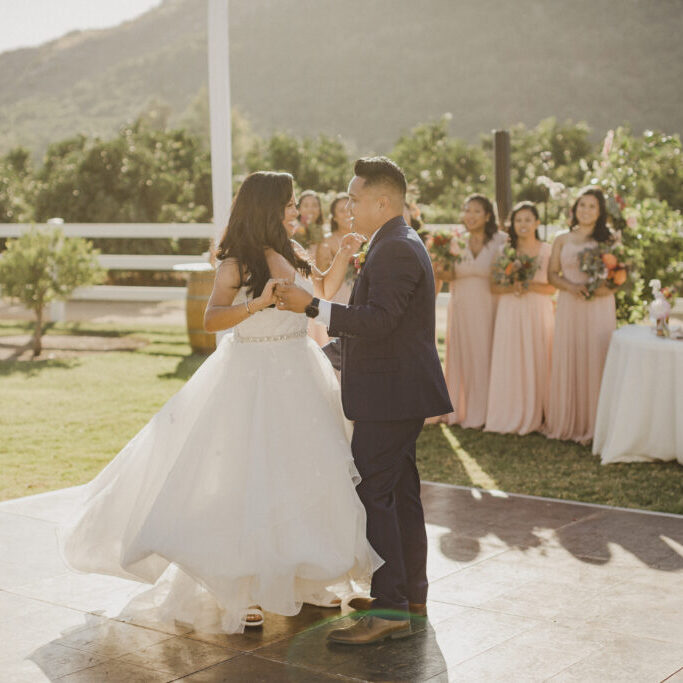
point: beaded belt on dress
(280, 337)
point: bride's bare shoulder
(228, 273)
(278, 265)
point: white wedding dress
(239, 491)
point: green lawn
(61, 421)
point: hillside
(366, 69)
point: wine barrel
(199, 286)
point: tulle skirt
(239, 491)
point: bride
(239, 495)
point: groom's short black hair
(380, 171)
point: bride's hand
(267, 297)
(351, 242)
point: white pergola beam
(116, 230)
(219, 110)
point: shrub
(43, 266)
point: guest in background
(411, 215)
(523, 336)
(471, 313)
(583, 325)
(340, 225)
(311, 218)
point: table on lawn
(640, 410)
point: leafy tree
(320, 164)
(143, 175)
(44, 266)
(630, 170)
(17, 186)
(561, 151)
(443, 169)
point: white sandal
(253, 617)
(325, 599)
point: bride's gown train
(239, 491)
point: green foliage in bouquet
(513, 267)
(43, 266)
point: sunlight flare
(477, 475)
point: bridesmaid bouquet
(458, 246)
(602, 265)
(513, 267)
(439, 247)
(446, 248)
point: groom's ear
(383, 202)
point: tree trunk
(38, 332)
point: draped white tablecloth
(640, 410)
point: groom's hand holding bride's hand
(291, 298)
(268, 296)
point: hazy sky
(24, 23)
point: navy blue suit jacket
(390, 368)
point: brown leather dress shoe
(369, 629)
(365, 605)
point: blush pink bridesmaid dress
(583, 330)
(469, 334)
(521, 357)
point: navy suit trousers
(384, 453)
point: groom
(391, 381)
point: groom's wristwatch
(312, 309)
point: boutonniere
(359, 258)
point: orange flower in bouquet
(617, 271)
(609, 259)
(603, 264)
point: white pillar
(219, 111)
(219, 108)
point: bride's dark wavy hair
(255, 224)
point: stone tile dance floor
(522, 589)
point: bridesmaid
(471, 314)
(311, 218)
(523, 336)
(583, 327)
(340, 225)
